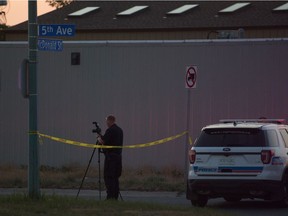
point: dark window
(75, 58)
(232, 137)
(284, 135)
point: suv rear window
(232, 137)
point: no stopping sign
(191, 77)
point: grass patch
(151, 179)
(70, 177)
(21, 205)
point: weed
(70, 176)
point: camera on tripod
(98, 129)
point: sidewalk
(153, 197)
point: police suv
(238, 159)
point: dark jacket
(113, 137)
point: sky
(17, 10)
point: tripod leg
(86, 172)
(121, 196)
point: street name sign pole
(33, 167)
(51, 45)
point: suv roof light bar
(235, 121)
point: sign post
(33, 167)
(43, 44)
(190, 83)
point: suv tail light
(266, 156)
(192, 156)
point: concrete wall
(143, 84)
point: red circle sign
(191, 75)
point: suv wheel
(200, 201)
(284, 203)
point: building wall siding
(143, 84)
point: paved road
(243, 208)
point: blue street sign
(50, 45)
(56, 30)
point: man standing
(113, 157)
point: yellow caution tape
(70, 142)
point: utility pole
(33, 169)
